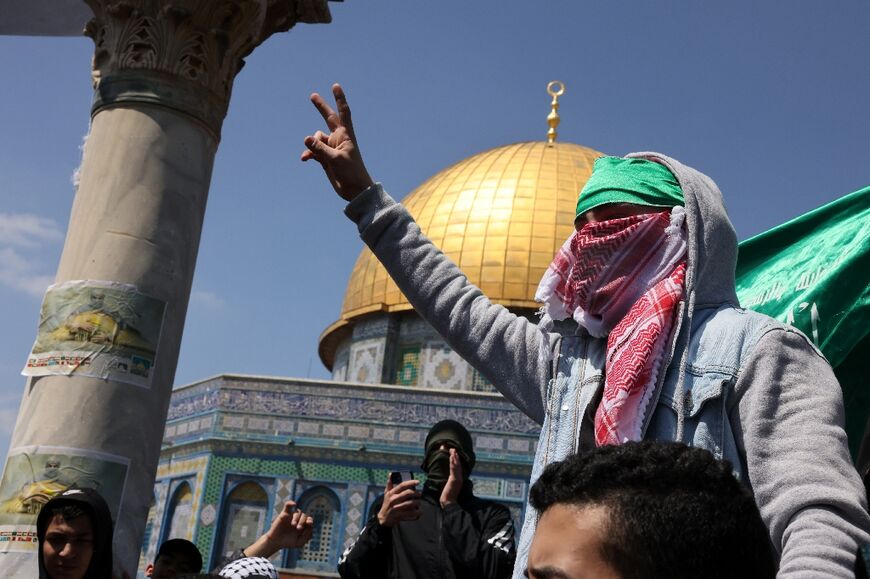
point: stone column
(163, 73)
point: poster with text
(99, 329)
(33, 475)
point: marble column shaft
(163, 73)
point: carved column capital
(183, 54)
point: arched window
(245, 515)
(321, 552)
(180, 515)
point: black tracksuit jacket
(472, 538)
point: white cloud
(208, 300)
(23, 237)
(28, 230)
(22, 274)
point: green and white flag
(813, 272)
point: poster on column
(100, 329)
(35, 474)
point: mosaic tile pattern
(284, 491)
(366, 361)
(443, 368)
(208, 515)
(342, 359)
(479, 383)
(355, 513)
(487, 487)
(338, 400)
(413, 437)
(351, 403)
(408, 369)
(434, 364)
(372, 327)
(193, 402)
(375, 435)
(412, 328)
(515, 489)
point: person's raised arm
(338, 152)
(291, 529)
(505, 348)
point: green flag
(813, 273)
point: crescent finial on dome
(555, 88)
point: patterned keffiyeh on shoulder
(249, 568)
(620, 278)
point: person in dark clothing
(74, 530)
(658, 510)
(443, 532)
(174, 557)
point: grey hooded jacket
(742, 385)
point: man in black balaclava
(443, 532)
(74, 530)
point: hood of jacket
(712, 241)
(95, 506)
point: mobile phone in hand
(400, 476)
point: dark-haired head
(658, 509)
(74, 530)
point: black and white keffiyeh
(249, 567)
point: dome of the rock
(501, 215)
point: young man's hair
(673, 511)
(69, 512)
(181, 548)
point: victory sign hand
(338, 152)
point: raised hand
(290, 529)
(338, 152)
(401, 503)
(451, 489)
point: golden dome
(500, 215)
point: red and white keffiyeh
(620, 278)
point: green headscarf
(635, 181)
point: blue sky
(769, 102)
